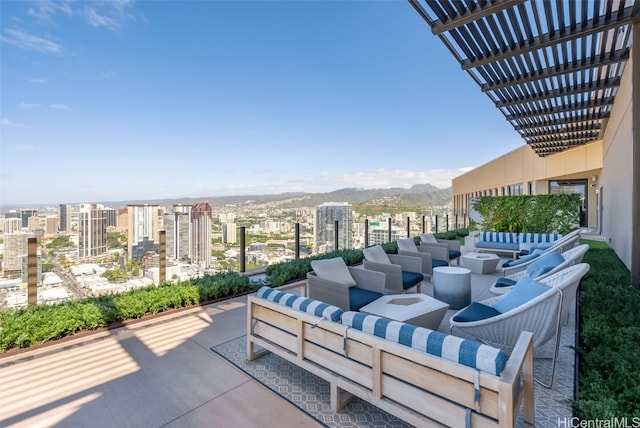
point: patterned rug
(305, 390)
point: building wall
(615, 183)
(524, 167)
(606, 164)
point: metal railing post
(424, 224)
(243, 238)
(163, 257)
(366, 232)
(389, 225)
(32, 271)
(408, 227)
(436, 231)
(447, 220)
(297, 243)
(336, 223)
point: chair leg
(555, 350)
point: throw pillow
(476, 311)
(544, 264)
(407, 244)
(334, 269)
(376, 254)
(524, 291)
(429, 238)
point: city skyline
(121, 101)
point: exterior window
(573, 186)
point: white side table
(452, 284)
(480, 262)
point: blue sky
(123, 100)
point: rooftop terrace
(162, 372)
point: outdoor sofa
(512, 242)
(423, 377)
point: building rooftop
(162, 372)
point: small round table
(452, 284)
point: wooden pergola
(553, 67)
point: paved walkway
(162, 373)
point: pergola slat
(552, 67)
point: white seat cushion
(334, 269)
(376, 254)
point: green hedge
(529, 213)
(609, 361)
(30, 326)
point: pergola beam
(469, 16)
(541, 42)
(559, 92)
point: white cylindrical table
(452, 284)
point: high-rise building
(177, 226)
(201, 233)
(51, 226)
(229, 233)
(324, 231)
(65, 218)
(25, 268)
(15, 246)
(12, 225)
(111, 217)
(26, 213)
(143, 227)
(92, 231)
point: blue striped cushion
(466, 352)
(538, 238)
(300, 303)
(507, 237)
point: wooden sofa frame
(419, 388)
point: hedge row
(609, 362)
(34, 325)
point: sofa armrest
(407, 263)
(392, 273)
(452, 244)
(368, 279)
(425, 257)
(437, 252)
(331, 292)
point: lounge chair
(348, 288)
(401, 272)
(539, 268)
(431, 256)
(535, 306)
(452, 245)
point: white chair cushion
(407, 244)
(429, 238)
(376, 254)
(334, 269)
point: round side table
(452, 285)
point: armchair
(437, 256)
(452, 245)
(401, 272)
(535, 306)
(348, 288)
(539, 268)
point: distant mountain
(416, 195)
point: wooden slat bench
(417, 387)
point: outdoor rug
(305, 390)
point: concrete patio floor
(162, 373)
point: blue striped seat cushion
(300, 303)
(466, 352)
